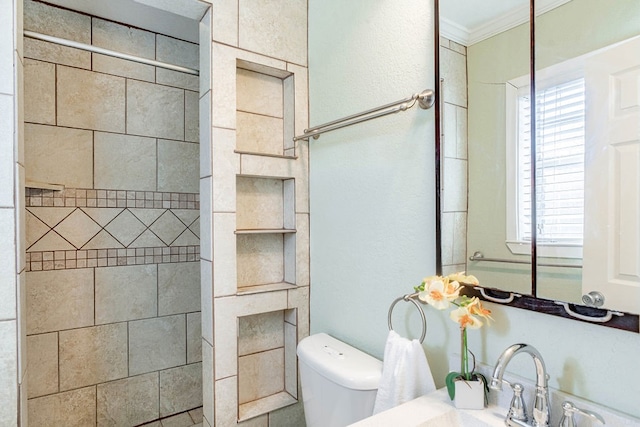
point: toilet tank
(339, 382)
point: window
(560, 134)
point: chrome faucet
(541, 411)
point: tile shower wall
(12, 275)
(254, 184)
(453, 62)
(113, 278)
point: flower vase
(469, 394)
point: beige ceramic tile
(35, 228)
(267, 166)
(180, 420)
(196, 415)
(204, 31)
(177, 79)
(206, 292)
(460, 238)
(58, 300)
(168, 227)
(226, 409)
(260, 259)
(123, 68)
(206, 221)
(178, 166)
(125, 39)
(223, 86)
(447, 224)
(93, 355)
(226, 165)
(158, 343)
(454, 71)
(461, 115)
(102, 240)
(299, 299)
(191, 116)
(90, 100)
(224, 264)
(455, 193)
(130, 401)
(225, 23)
(302, 250)
(52, 241)
(57, 22)
(259, 93)
(55, 53)
(259, 134)
(259, 202)
(260, 375)
(301, 98)
(208, 381)
(290, 359)
(125, 293)
(9, 373)
(77, 228)
(39, 92)
(125, 162)
(205, 134)
(225, 337)
(126, 227)
(178, 288)
(177, 52)
(59, 155)
(51, 216)
(42, 353)
(450, 130)
(180, 389)
(289, 416)
(194, 338)
(75, 408)
(271, 29)
(260, 332)
(154, 110)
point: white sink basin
(435, 410)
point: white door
(612, 176)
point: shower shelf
(44, 185)
(266, 231)
(269, 287)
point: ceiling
(470, 21)
(174, 18)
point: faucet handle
(517, 408)
(570, 409)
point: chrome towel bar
(424, 99)
(479, 256)
(410, 298)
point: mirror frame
(624, 321)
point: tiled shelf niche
(264, 110)
(265, 235)
(267, 367)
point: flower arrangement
(443, 291)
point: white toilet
(339, 382)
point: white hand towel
(405, 373)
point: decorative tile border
(81, 197)
(61, 260)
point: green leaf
(449, 381)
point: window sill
(547, 250)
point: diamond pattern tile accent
(102, 215)
(78, 228)
(35, 228)
(103, 240)
(51, 216)
(168, 227)
(51, 242)
(187, 216)
(146, 240)
(195, 227)
(125, 227)
(187, 238)
(147, 216)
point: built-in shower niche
(267, 366)
(264, 110)
(265, 234)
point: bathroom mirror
(497, 229)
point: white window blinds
(560, 132)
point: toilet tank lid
(339, 362)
